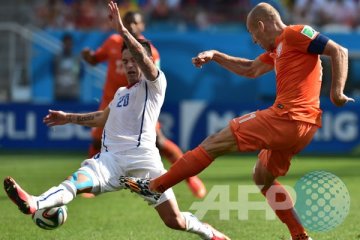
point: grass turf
(123, 215)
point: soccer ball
(50, 218)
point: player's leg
(196, 160)
(292, 136)
(101, 170)
(279, 199)
(172, 152)
(95, 145)
(94, 148)
(172, 217)
(59, 195)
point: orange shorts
(277, 137)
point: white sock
(57, 196)
(193, 225)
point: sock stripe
(43, 199)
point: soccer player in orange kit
(282, 130)
(110, 51)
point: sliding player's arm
(240, 66)
(92, 119)
(138, 52)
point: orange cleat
(22, 199)
(196, 186)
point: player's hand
(340, 100)
(202, 58)
(55, 118)
(115, 17)
(86, 54)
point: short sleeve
(266, 58)
(159, 84)
(300, 37)
(102, 53)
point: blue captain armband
(317, 45)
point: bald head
(263, 12)
(264, 24)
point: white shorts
(105, 169)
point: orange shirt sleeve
(101, 54)
(155, 55)
(266, 58)
(300, 36)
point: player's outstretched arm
(88, 56)
(339, 65)
(240, 66)
(144, 61)
(93, 119)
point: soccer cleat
(21, 198)
(309, 238)
(216, 234)
(302, 236)
(141, 187)
(196, 186)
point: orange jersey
(298, 74)
(110, 51)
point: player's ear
(261, 25)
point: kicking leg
(190, 164)
(172, 153)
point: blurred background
(199, 102)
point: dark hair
(145, 43)
(129, 17)
(67, 36)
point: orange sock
(190, 164)
(287, 216)
(170, 151)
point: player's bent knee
(82, 180)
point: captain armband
(317, 45)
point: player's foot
(21, 198)
(302, 236)
(141, 187)
(87, 195)
(217, 235)
(196, 186)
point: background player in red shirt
(280, 131)
(110, 51)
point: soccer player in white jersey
(127, 149)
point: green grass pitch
(123, 215)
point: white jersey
(134, 112)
